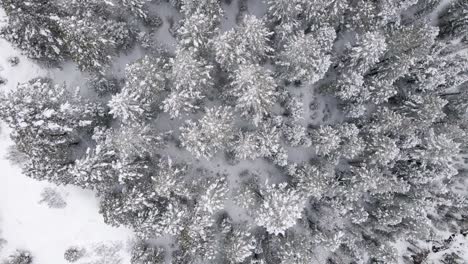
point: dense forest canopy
(322, 131)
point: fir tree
(280, 210)
(143, 253)
(245, 146)
(136, 6)
(305, 57)
(191, 79)
(245, 44)
(85, 44)
(48, 123)
(168, 179)
(33, 27)
(209, 134)
(139, 98)
(238, 246)
(366, 52)
(255, 90)
(200, 24)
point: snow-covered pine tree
(306, 58)
(33, 27)
(245, 44)
(209, 134)
(191, 80)
(137, 7)
(200, 24)
(245, 146)
(85, 31)
(48, 123)
(295, 248)
(365, 53)
(269, 144)
(144, 253)
(140, 97)
(281, 208)
(86, 44)
(96, 169)
(255, 90)
(168, 180)
(238, 245)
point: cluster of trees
(164, 151)
(89, 32)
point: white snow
(442, 5)
(47, 232)
(230, 13)
(257, 7)
(163, 35)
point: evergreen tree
(191, 79)
(95, 170)
(312, 180)
(269, 143)
(168, 179)
(85, 44)
(190, 7)
(85, 31)
(104, 85)
(255, 90)
(139, 98)
(209, 134)
(33, 27)
(365, 53)
(73, 254)
(296, 248)
(245, 146)
(326, 140)
(245, 44)
(143, 253)
(48, 123)
(305, 57)
(238, 245)
(136, 6)
(281, 208)
(200, 24)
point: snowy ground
(48, 232)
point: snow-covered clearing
(48, 232)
